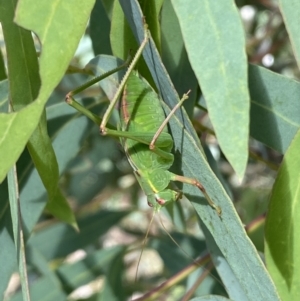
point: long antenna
(143, 246)
(195, 261)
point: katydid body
(144, 136)
(143, 116)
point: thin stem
(200, 279)
(154, 294)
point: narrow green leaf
(4, 96)
(99, 29)
(121, 38)
(123, 42)
(2, 67)
(290, 10)
(275, 110)
(42, 153)
(215, 43)
(16, 128)
(24, 81)
(8, 259)
(24, 85)
(152, 12)
(16, 215)
(282, 243)
(175, 57)
(50, 17)
(13, 140)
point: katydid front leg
(163, 125)
(179, 178)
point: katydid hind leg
(103, 122)
(70, 100)
(131, 67)
(96, 79)
(80, 108)
(197, 184)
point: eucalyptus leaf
(275, 113)
(290, 10)
(215, 42)
(282, 234)
(45, 26)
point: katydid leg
(142, 138)
(95, 80)
(103, 122)
(196, 183)
(114, 101)
(159, 131)
(77, 106)
(145, 138)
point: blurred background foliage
(110, 208)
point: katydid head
(162, 198)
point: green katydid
(143, 134)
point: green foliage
(57, 165)
(218, 29)
(281, 230)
